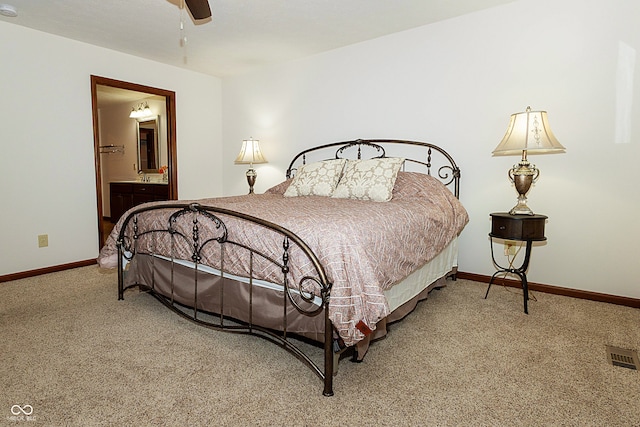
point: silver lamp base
(522, 176)
(521, 208)
(251, 179)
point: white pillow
(371, 179)
(316, 179)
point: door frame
(172, 162)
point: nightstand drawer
(517, 227)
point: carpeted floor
(79, 357)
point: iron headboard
(433, 157)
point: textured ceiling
(241, 35)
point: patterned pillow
(316, 179)
(371, 179)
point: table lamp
(250, 154)
(528, 132)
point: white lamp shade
(141, 111)
(250, 153)
(147, 111)
(528, 131)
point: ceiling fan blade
(199, 8)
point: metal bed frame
(134, 239)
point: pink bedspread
(365, 247)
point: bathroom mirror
(148, 150)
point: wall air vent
(624, 358)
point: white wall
(46, 137)
(455, 83)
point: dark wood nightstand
(523, 228)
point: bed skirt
(232, 299)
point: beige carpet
(79, 357)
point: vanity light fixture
(528, 132)
(249, 154)
(141, 111)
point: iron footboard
(208, 238)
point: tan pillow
(316, 179)
(371, 179)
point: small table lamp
(528, 132)
(249, 154)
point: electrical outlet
(43, 240)
(509, 248)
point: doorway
(104, 91)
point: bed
(356, 235)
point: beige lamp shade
(250, 153)
(530, 132)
